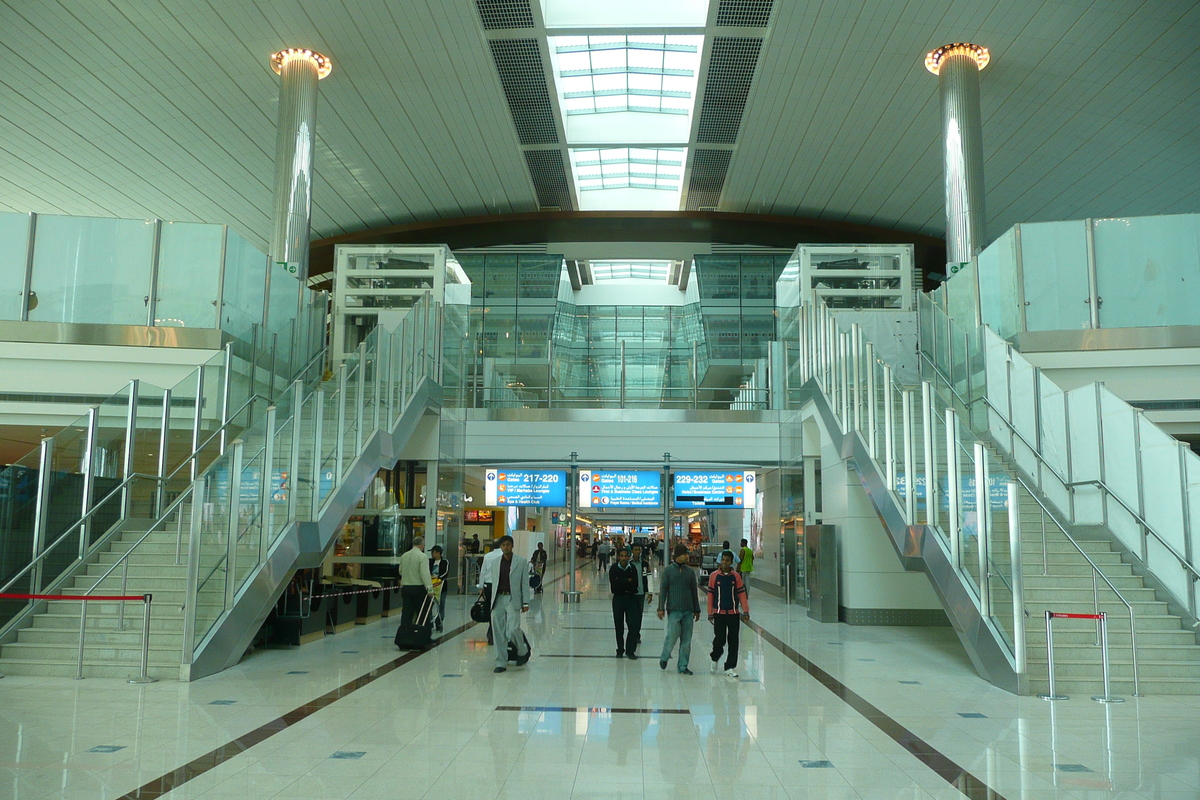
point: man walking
(678, 595)
(638, 559)
(415, 581)
(510, 599)
(624, 578)
(725, 592)
(539, 565)
(745, 562)
(604, 549)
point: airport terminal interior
(377, 378)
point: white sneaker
(729, 673)
(713, 666)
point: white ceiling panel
(166, 108)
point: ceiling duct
(707, 178)
(731, 67)
(502, 14)
(549, 173)
(743, 13)
(519, 64)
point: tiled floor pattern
(593, 727)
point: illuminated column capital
(322, 63)
(977, 53)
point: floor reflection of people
(728, 746)
(625, 731)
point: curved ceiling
(166, 108)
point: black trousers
(411, 598)
(727, 628)
(627, 621)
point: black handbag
(481, 611)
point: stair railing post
(144, 676)
(293, 481)
(361, 399)
(197, 422)
(164, 438)
(910, 478)
(1053, 693)
(226, 388)
(856, 375)
(695, 375)
(89, 480)
(982, 527)
(41, 512)
(193, 573)
(953, 490)
(319, 419)
(1104, 665)
(235, 517)
(889, 427)
(266, 488)
(872, 420)
(844, 382)
(1018, 577)
(927, 435)
(130, 443)
(340, 444)
(124, 588)
(377, 375)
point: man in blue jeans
(678, 592)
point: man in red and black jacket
(725, 592)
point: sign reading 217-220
(524, 487)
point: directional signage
(600, 488)
(709, 489)
(524, 487)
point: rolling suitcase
(418, 635)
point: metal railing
(1076, 425)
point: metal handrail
(1069, 485)
(1046, 512)
(153, 526)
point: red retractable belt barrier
(72, 597)
(1058, 615)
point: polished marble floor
(577, 723)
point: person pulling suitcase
(418, 634)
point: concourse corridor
(818, 711)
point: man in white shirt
(415, 581)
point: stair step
(1118, 653)
(99, 653)
(1037, 582)
(1091, 668)
(161, 619)
(65, 668)
(131, 637)
(1053, 594)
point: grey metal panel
(667, 415)
(303, 544)
(919, 551)
(127, 335)
(1108, 339)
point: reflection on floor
(442, 725)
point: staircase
(346, 429)
(1168, 655)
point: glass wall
(737, 299)
(1126, 272)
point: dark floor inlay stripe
(927, 754)
(610, 656)
(198, 766)
(596, 709)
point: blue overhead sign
(524, 487)
(600, 488)
(715, 489)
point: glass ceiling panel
(641, 74)
(628, 168)
(630, 270)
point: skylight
(656, 271)
(628, 178)
(625, 13)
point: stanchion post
(1052, 695)
(143, 677)
(1108, 695)
(82, 628)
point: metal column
(295, 140)
(572, 594)
(957, 67)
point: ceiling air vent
(519, 64)
(730, 72)
(742, 13)
(707, 179)
(501, 14)
(549, 175)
